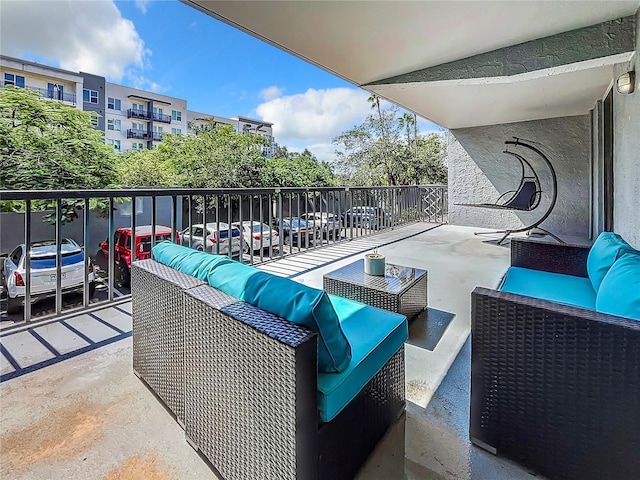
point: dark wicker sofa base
(243, 383)
(553, 387)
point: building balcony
(53, 94)
(139, 114)
(160, 117)
(87, 341)
(157, 136)
(138, 134)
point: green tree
(48, 145)
(301, 171)
(387, 150)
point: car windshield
(260, 227)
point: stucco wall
(479, 172)
(626, 154)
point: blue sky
(170, 48)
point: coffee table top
(396, 277)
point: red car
(122, 248)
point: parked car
(217, 241)
(122, 248)
(297, 232)
(42, 279)
(367, 217)
(327, 223)
(257, 235)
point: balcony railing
(139, 134)
(139, 114)
(157, 136)
(385, 208)
(49, 93)
(160, 117)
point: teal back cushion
(619, 292)
(602, 254)
(187, 260)
(293, 301)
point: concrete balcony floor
(72, 407)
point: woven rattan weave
(554, 387)
(250, 384)
(158, 330)
(402, 289)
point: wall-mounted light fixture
(626, 82)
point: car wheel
(200, 248)
(125, 275)
(92, 290)
(14, 305)
(287, 240)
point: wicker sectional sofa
(244, 383)
(555, 384)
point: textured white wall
(626, 153)
(480, 172)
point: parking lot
(45, 307)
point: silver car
(42, 280)
(257, 235)
(217, 241)
(327, 223)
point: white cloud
(315, 116)
(143, 5)
(271, 92)
(90, 36)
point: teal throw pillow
(292, 301)
(602, 255)
(619, 292)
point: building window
(94, 120)
(176, 131)
(89, 96)
(157, 111)
(157, 129)
(176, 115)
(113, 124)
(113, 103)
(137, 126)
(114, 143)
(137, 146)
(11, 79)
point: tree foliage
(48, 145)
(386, 149)
(303, 170)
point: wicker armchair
(243, 383)
(553, 387)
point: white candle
(374, 264)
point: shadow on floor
(426, 330)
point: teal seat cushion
(375, 336)
(619, 292)
(602, 254)
(186, 260)
(554, 287)
(293, 301)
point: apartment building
(53, 83)
(245, 125)
(138, 119)
(131, 119)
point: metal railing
(54, 94)
(357, 211)
(139, 134)
(161, 117)
(141, 114)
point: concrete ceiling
(368, 41)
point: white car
(328, 223)
(258, 235)
(42, 280)
(217, 241)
